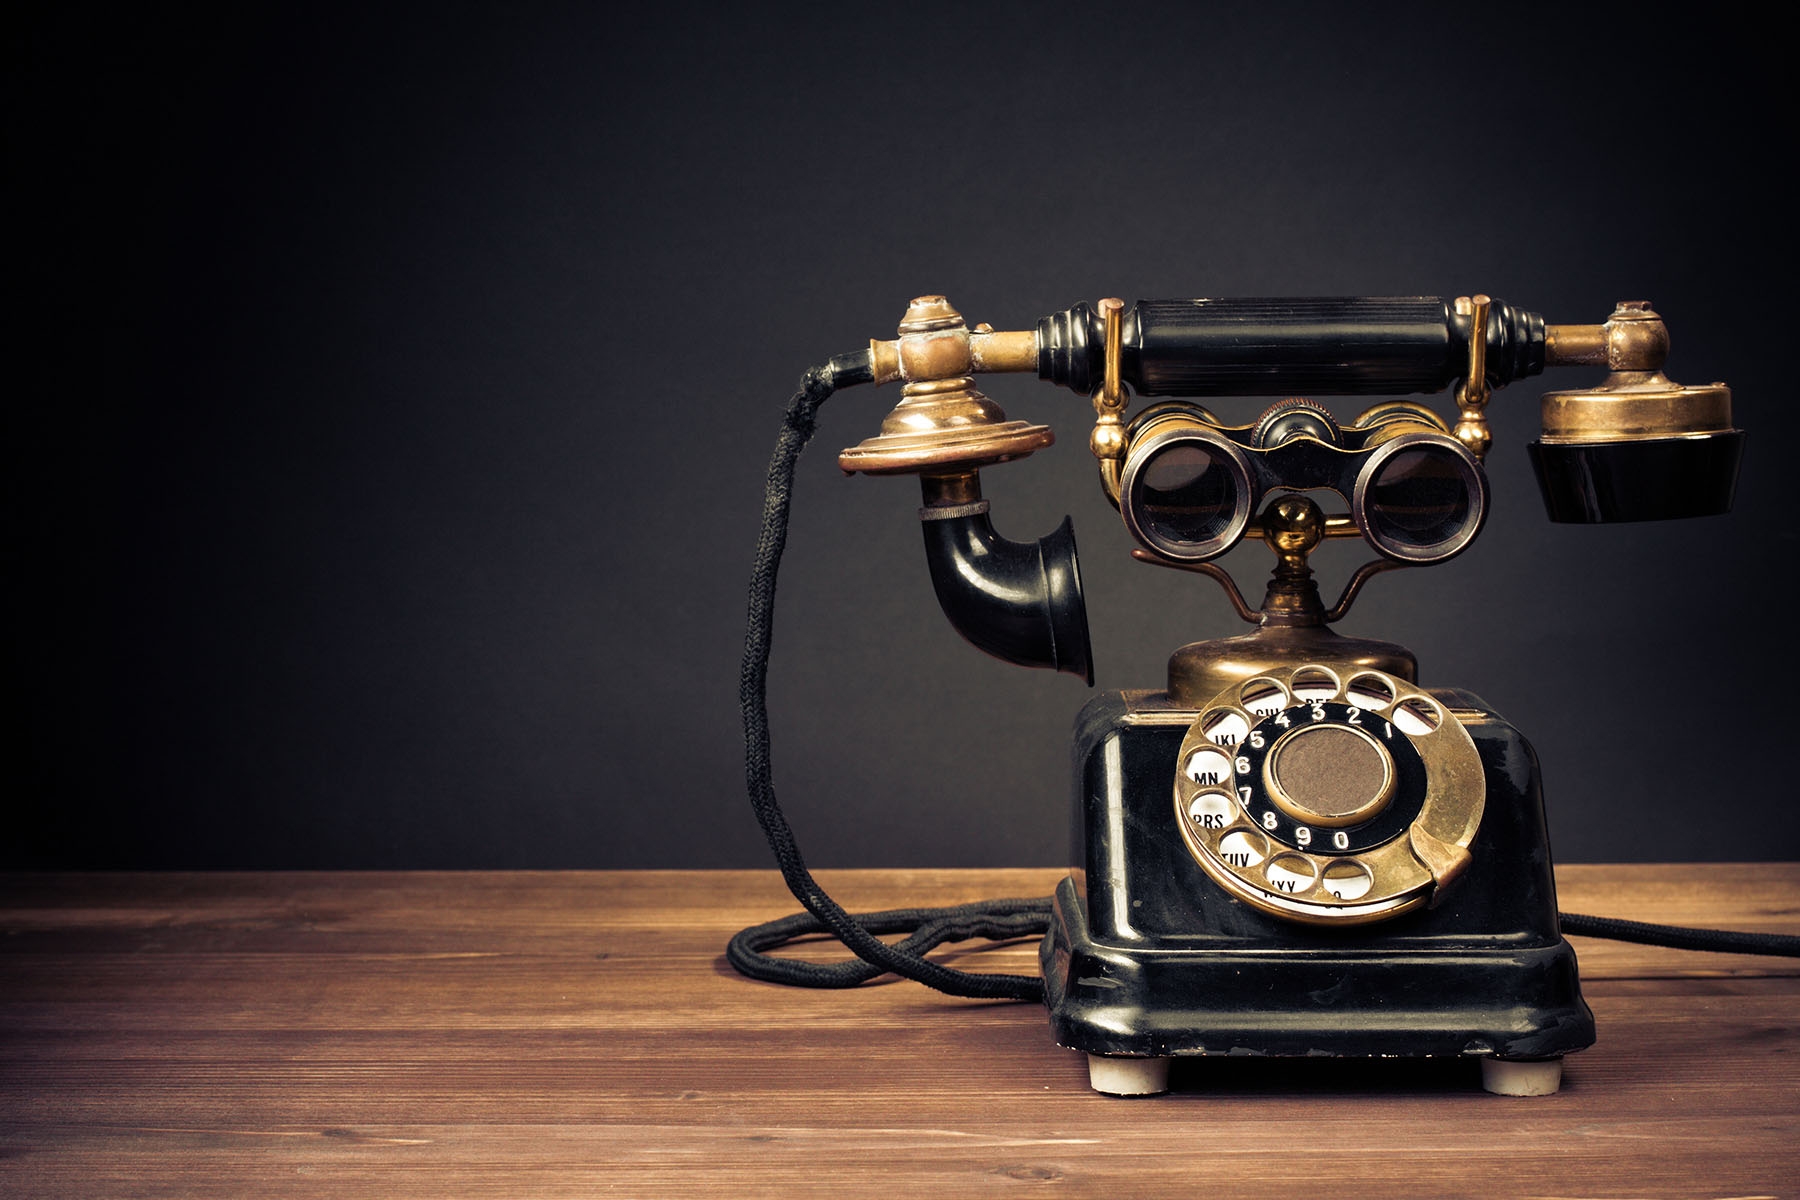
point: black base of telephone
(1147, 957)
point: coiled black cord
(932, 927)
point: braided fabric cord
(935, 925)
(1724, 941)
(931, 927)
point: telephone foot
(1128, 1076)
(1513, 1077)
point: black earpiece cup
(1649, 479)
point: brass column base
(1201, 670)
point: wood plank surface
(578, 1034)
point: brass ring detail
(1408, 870)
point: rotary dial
(1329, 796)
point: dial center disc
(1331, 775)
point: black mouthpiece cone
(1648, 479)
(1019, 601)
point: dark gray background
(395, 389)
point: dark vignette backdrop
(391, 401)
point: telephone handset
(1293, 847)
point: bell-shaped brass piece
(1636, 401)
(1293, 621)
(1639, 447)
(942, 423)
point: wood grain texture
(578, 1034)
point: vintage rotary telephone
(1294, 848)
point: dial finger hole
(1263, 696)
(1224, 727)
(1315, 683)
(1212, 810)
(1417, 716)
(1243, 848)
(1207, 767)
(1371, 691)
(1289, 873)
(1348, 879)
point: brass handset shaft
(1633, 339)
(1574, 345)
(991, 352)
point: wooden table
(576, 1034)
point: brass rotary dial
(1329, 795)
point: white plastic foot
(1128, 1076)
(1510, 1077)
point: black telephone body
(1293, 848)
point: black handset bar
(1324, 346)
